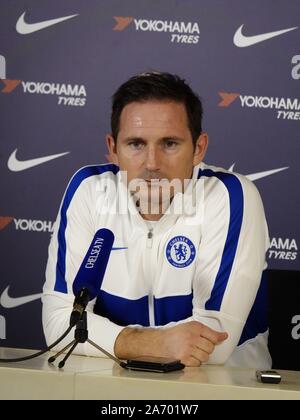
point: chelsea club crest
(180, 251)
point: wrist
(136, 342)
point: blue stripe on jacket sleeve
(257, 321)
(81, 175)
(172, 308)
(122, 311)
(236, 203)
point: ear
(200, 148)
(112, 149)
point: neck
(151, 217)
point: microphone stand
(81, 336)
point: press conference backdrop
(60, 62)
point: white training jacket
(204, 260)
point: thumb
(222, 336)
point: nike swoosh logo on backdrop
(9, 302)
(24, 28)
(241, 40)
(259, 175)
(15, 165)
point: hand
(191, 342)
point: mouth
(157, 183)
(156, 180)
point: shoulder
(88, 180)
(229, 194)
(233, 184)
(91, 175)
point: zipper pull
(150, 238)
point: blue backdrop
(60, 62)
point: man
(184, 275)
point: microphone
(90, 275)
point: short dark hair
(157, 86)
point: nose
(152, 159)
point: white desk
(101, 379)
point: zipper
(150, 266)
(150, 238)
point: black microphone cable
(31, 356)
(86, 292)
(80, 303)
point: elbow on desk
(55, 318)
(219, 359)
(221, 354)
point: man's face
(154, 143)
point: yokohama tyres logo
(5, 221)
(68, 94)
(180, 32)
(9, 85)
(283, 249)
(27, 224)
(285, 108)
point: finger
(205, 345)
(222, 337)
(199, 354)
(214, 336)
(191, 361)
